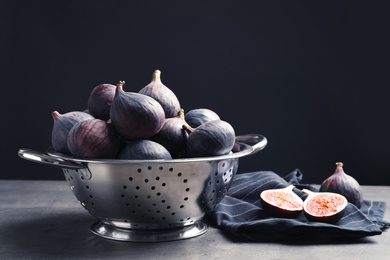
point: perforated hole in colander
(152, 196)
(150, 192)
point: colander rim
(245, 149)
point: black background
(309, 75)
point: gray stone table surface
(43, 220)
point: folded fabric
(241, 215)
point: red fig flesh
(324, 206)
(281, 202)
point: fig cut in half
(281, 202)
(326, 207)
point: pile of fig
(327, 205)
(148, 124)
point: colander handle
(258, 142)
(39, 157)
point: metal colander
(150, 200)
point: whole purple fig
(100, 99)
(136, 116)
(212, 138)
(172, 135)
(144, 150)
(93, 138)
(341, 183)
(61, 127)
(164, 95)
(196, 117)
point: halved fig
(326, 207)
(282, 202)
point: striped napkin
(241, 216)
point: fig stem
(290, 187)
(120, 83)
(181, 113)
(339, 164)
(188, 128)
(156, 75)
(55, 114)
(307, 191)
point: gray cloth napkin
(241, 215)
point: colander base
(156, 235)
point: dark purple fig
(172, 135)
(341, 183)
(144, 150)
(136, 116)
(93, 138)
(100, 99)
(61, 127)
(164, 95)
(326, 207)
(282, 202)
(212, 138)
(196, 117)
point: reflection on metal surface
(135, 235)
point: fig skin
(344, 184)
(144, 150)
(212, 138)
(198, 116)
(323, 201)
(94, 138)
(164, 95)
(136, 116)
(61, 127)
(100, 100)
(172, 135)
(282, 202)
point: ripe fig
(61, 127)
(326, 207)
(282, 202)
(164, 95)
(144, 150)
(212, 138)
(172, 135)
(341, 183)
(136, 116)
(100, 100)
(196, 117)
(93, 138)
